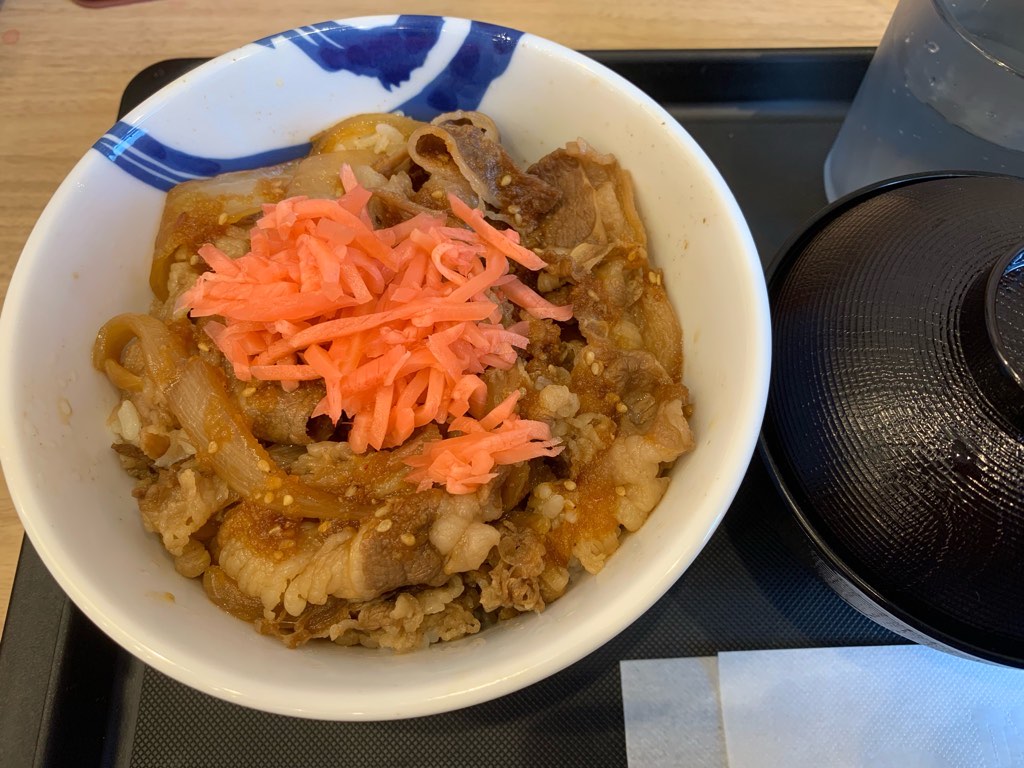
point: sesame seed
(268, 497)
(659, 280)
(588, 357)
(437, 194)
(620, 490)
(288, 500)
(275, 530)
(264, 465)
(621, 407)
(593, 294)
(350, 491)
(324, 526)
(273, 483)
(203, 346)
(570, 485)
(222, 219)
(513, 209)
(652, 278)
(212, 447)
(381, 512)
(544, 492)
(518, 219)
(384, 526)
(595, 368)
(408, 539)
(506, 180)
(193, 259)
(248, 391)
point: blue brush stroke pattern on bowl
(153, 162)
(390, 54)
(484, 55)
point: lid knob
(1004, 313)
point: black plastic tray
(70, 697)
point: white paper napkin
(875, 707)
(898, 706)
(672, 713)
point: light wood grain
(63, 68)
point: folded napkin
(904, 706)
(673, 717)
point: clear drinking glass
(945, 91)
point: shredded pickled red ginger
(398, 322)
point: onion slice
(164, 353)
(197, 396)
(216, 425)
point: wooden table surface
(63, 68)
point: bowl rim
(192, 669)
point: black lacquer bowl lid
(895, 420)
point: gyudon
(401, 388)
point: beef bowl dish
(425, 365)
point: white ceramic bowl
(88, 258)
